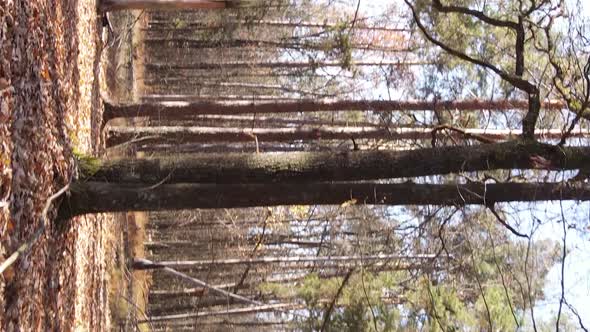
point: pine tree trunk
(183, 109)
(302, 45)
(300, 167)
(112, 5)
(278, 64)
(98, 197)
(279, 24)
(284, 260)
(180, 135)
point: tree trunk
(276, 23)
(278, 64)
(167, 149)
(183, 109)
(301, 45)
(112, 5)
(222, 97)
(270, 260)
(180, 135)
(300, 167)
(98, 197)
(237, 311)
(253, 86)
(255, 121)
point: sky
(577, 263)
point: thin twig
(467, 135)
(259, 243)
(333, 303)
(142, 261)
(25, 247)
(505, 224)
(480, 287)
(434, 311)
(142, 312)
(506, 293)
(575, 312)
(159, 183)
(528, 281)
(563, 257)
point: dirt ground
(50, 108)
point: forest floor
(51, 110)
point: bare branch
(562, 277)
(334, 299)
(138, 262)
(464, 132)
(503, 279)
(505, 224)
(575, 312)
(475, 13)
(25, 247)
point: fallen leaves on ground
(49, 104)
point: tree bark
(239, 85)
(166, 149)
(141, 265)
(183, 109)
(288, 24)
(98, 197)
(300, 167)
(113, 5)
(237, 311)
(224, 97)
(181, 134)
(278, 64)
(299, 45)
(255, 121)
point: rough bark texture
(181, 134)
(340, 166)
(95, 197)
(142, 265)
(278, 23)
(240, 121)
(197, 43)
(183, 109)
(112, 5)
(277, 64)
(166, 149)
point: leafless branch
(505, 224)
(481, 290)
(25, 247)
(333, 303)
(562, 271)
(466, 134)
(259, 242)
(434, 311)
(575, 312)
(528, 281)
(140, 261)
(508, 299)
